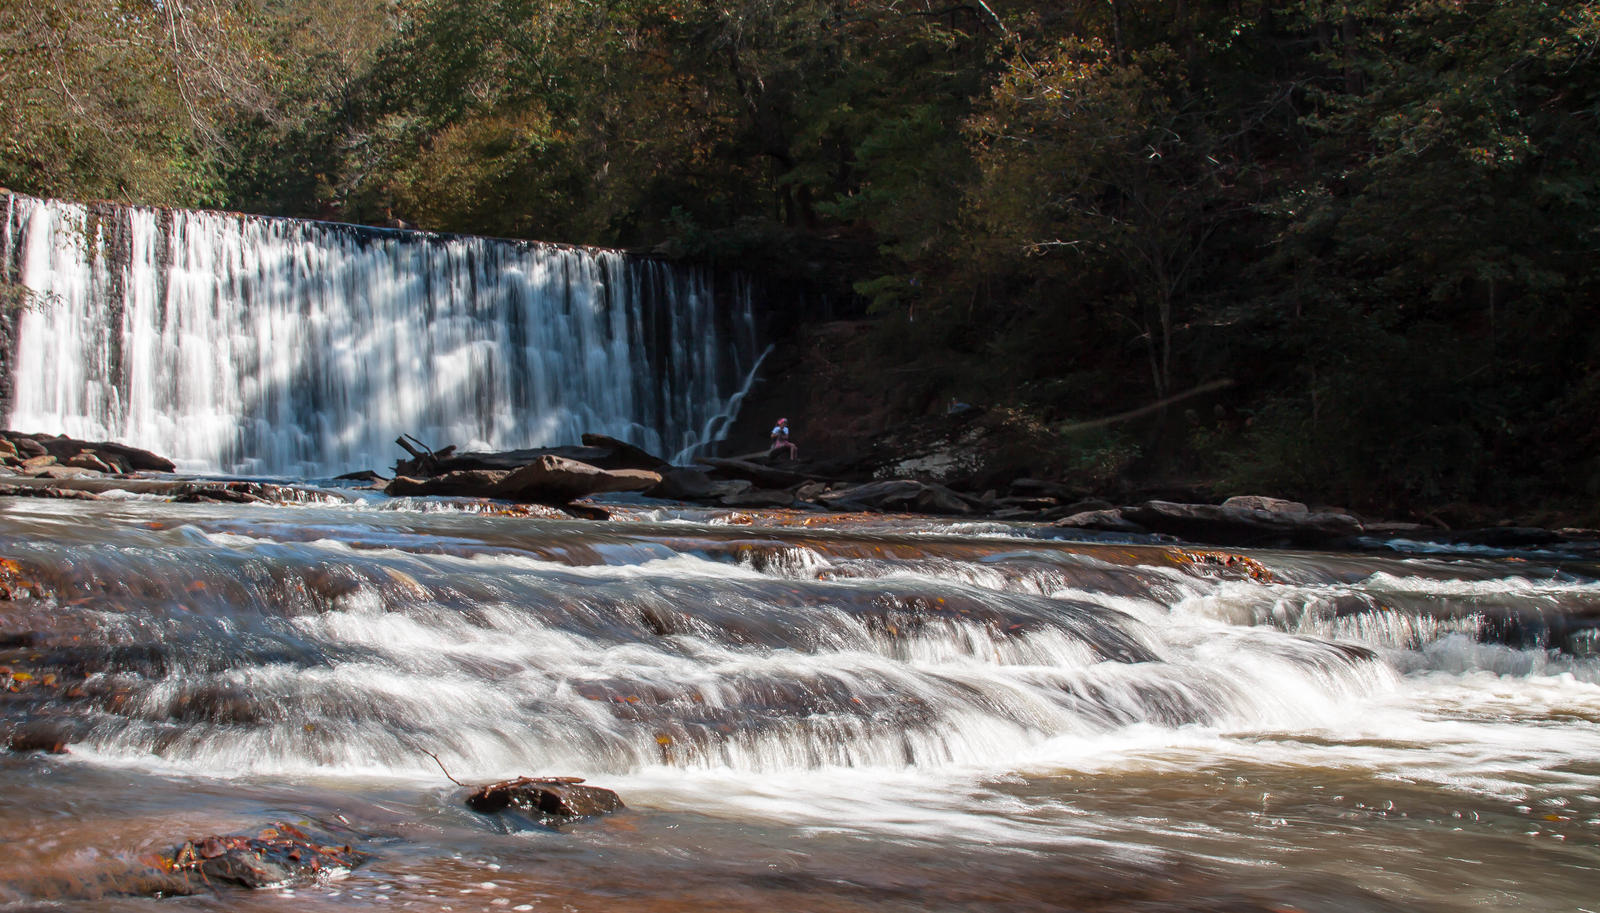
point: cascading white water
(262, 345)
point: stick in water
(442, 767)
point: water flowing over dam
(902, 715)
(261, 345)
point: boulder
(8, 452)
(109, 452)
(26, 446)
(1262, 502)
(890, 494)
(555, 480)
(684, 484)
(465, 483)
(1243, 525)
(280, 856)
(810, 491)
(547, 800)
(937, 499)
(48, 737)
(36, 464)
(730, 488)
(364, 475)
(1106, 520)
(765, 476)
(426, 465)
(899, 494)
(623, 454)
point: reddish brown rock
(548, 800)
(280, 856)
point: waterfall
(253, 345)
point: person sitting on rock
(780, 440)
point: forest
(1350, 250)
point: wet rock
(1239, 525)
(1225, 564)
(623, 455)
(428, 465)
(63, 471)
(1108, 520)
(46, 736)
(1261, 502)
(764, 476)
(26, 446)
(86, 459)
(464, 483)
(113, 458)
(38, 463)
(548, 800)
(280, 856)
(731, 487)
(556, 480)
(46, 491)
(899, 494)
(203, 493)
(810, 491)
(684, 484)
(585, 511)
(365, 475)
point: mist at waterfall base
(905, 715)
(253, 345)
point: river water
(802, 712)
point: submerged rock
(281, 856)
(547, 800)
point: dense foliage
(1366, 229)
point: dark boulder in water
(547, 800)
(280, 856)
(45, 736)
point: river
(801, 711)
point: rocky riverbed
(560, 481)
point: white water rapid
(274, 346)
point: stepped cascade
(250, 345)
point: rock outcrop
(33, 454)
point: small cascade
(275, 346)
